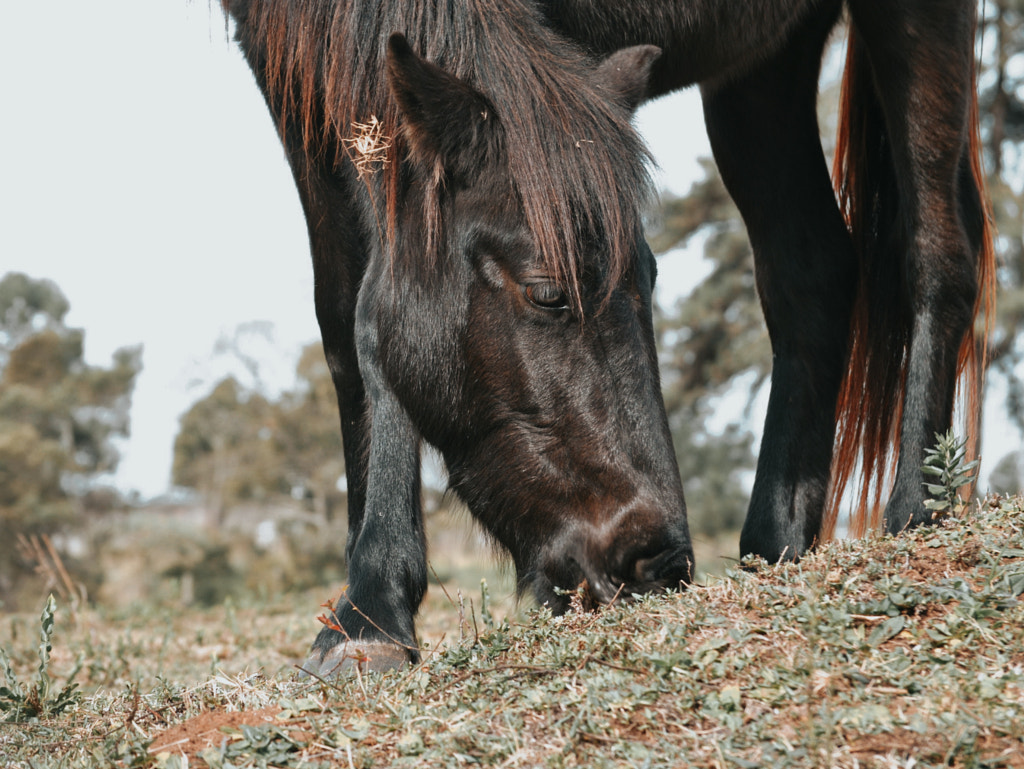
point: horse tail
(870, 404)
(972, 360)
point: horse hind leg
(921, 55)
(765, 137)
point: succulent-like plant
(19, 702)
(945, 463)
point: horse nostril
(667, 569)
(609, 576)
(645, 570)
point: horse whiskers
(368, 147)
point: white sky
(140, 171)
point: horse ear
(626, 73)
(450, 126)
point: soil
(206, 730)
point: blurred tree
(1008, 474)
(27, 306)
(223, 448)
(1002, 113)
(236, 445)
(308, 437)
(59, 416)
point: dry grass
(905, 652)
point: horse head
(537, 381)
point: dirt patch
(207, 730)
(993, 750)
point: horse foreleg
(337, 269)
(764, 134)
(372, 625)
(372, 622)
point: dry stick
(537, 670)
(319, 678)
(411, 672)
(335, 625)
(595, 660)
(476, 630)
(49, 564)
(440, 583)
(387, 635)
(416, 668)
(460, 606)
(72, 594)
(130, 718)
(33, 551)
(523, 669)
(463, 625)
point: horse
(474, 195)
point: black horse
(482, 280)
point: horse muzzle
(616, 568)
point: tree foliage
(1002, 111)
(59, 416)
(237, 445)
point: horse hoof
(367, 657)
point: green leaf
(729, 697)
(888, 629)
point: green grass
(884, 652)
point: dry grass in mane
(578, 167)
(368, 147)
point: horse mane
(870, 406)
(577, 165)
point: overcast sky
(140, 171)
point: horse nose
(639, 547)
(619, 573)
(670, 567)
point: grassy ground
(905, 652)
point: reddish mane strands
(578, 167)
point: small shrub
(945, 462)
(18, 702)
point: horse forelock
(577, 165)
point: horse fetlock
(906, 509)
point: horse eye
(547, 296)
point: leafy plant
(19, 702)
(945, 462)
